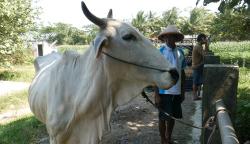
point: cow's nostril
(174, 73)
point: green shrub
(24, 73)
(9, 75)
(16, 57)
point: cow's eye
(129, 37)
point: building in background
(42, 48)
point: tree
(63, 34)
(230, 4)
(16, 18)
(233, 21)
(170, 17)
(140, 21)
(90, 32)
(200, 21)
(231, 25)
(151, 25)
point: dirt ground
(7, 87)
(137, 123)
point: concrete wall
(220, 82)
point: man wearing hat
(170, 100)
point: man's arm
(206, 46)
(157, 96)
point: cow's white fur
(76, 94)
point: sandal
(198, 98)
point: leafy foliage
(151, 25)
(231, 25)
(67, 34)
(200, 21)
(62, 33)
(230, 4)
(16, 18)
(140, 21)
(170, 17)
(23, 73)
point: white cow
(75, 95)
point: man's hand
(157, 100)
(157, 96)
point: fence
(219, 100)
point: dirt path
(137, 123)
(14, 114)
(7, 87)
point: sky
(69, 11)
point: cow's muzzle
(174, 74)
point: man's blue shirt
(177, 59)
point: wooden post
(220, 82)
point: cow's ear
(99, 43)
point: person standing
(170, 100)
(198, 64)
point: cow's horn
(110, 14)
(100, 22)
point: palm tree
(139, 21)
(199, 21)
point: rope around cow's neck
(127, 62)
(145, 96)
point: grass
(14, 101)
(27, 130)
(24, 130)
(233, 52)
(242, 124)
(237, 53)
(232, 46)
(21, 73)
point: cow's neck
(94, 104)
(102, 91)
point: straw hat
(171, 30)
